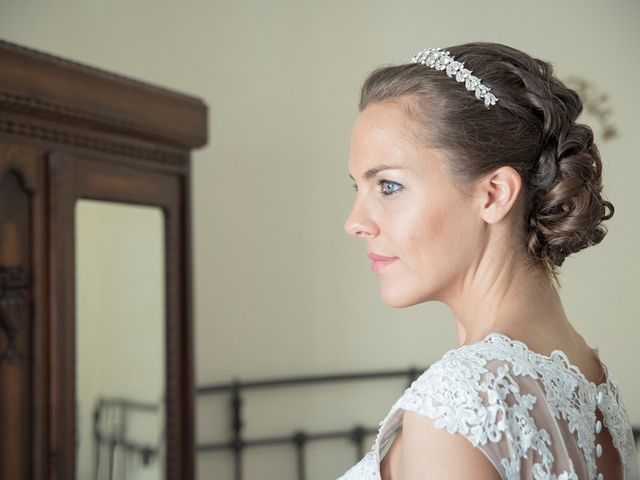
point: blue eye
(395, 187)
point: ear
(498, 192)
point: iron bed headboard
(237, 443)
(300, 438)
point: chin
(401, 298)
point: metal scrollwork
(14, 310)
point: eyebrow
(375, 170)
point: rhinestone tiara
(442, 60)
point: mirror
(120, 341)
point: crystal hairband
(442, 60)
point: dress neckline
(551, 358)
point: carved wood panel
(15, 326)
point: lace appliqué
(474, 390)
(464, 397)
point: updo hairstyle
(531, 128)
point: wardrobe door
(120, 320)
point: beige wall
(279, 287)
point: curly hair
(532, 128)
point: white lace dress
(533, 416)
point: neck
(509, 298)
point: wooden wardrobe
(72, 134)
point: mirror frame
(86, 176)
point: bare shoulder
(428, 452)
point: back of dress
(533, 416)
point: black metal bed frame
(299, 439)
(105, 444)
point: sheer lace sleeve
(531, 415)
(496, 411)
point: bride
(473, 184)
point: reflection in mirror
(120, 346)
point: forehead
(382, 133)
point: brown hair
(531, 128)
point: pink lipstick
(380, 261)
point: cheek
(440, 235)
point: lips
(375, 257)
(380, 261)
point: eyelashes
(395, 187)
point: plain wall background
(280, 289)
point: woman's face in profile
(407, 208)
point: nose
(359, 223)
